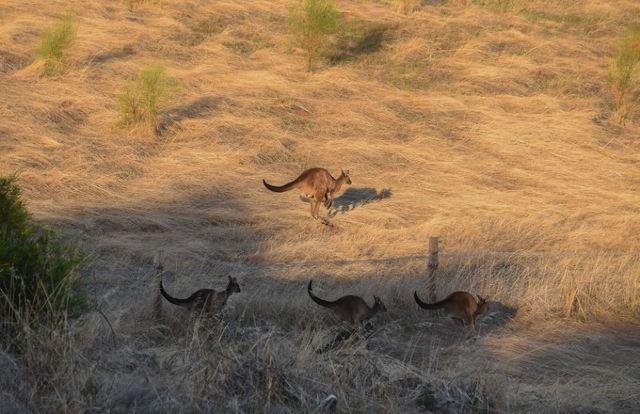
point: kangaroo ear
(230, 279)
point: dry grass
(486, 124)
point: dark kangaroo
(318, 185)
(459, 305)
(350, 308)
(205, 300)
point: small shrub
(54, 45)
(623, 72)
(311, 23)
(36, 267)
(142, 100)
(407, 6)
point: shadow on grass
(357, 197)
(195, 109)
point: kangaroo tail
(316, 299)
(171, 299)
(281, 189)
(424, 305)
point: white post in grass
(432, 266)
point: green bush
(55, 42)
(141, 100)
(36, 267)
(623, 72)
(311, 23)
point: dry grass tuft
(407, 6)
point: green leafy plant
(36, 267)
(311, 23)
(142, 100)
(623, 72)
(54, 45)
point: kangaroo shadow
(195, 109)
(357, 197)
(113, 54)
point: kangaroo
(318, 185)
(461, 306)
(350, 308)
(205, 300)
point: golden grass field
(485, 123)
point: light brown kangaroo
(318, 185)
(459, 305)
(205, 300)
(350, 308)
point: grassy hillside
(491, 124)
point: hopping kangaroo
(459, 305)
(318, 185)
(205, 300)
(350, 308)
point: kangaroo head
(378, 305)
(233, 286)
(483, 306)
(345, 174)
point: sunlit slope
(488, 128)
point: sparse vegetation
(142, 100)
(55, 43)
(311, 23)
(36, 268)
(623, 73)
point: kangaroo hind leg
(318, 197)
(328, 202)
